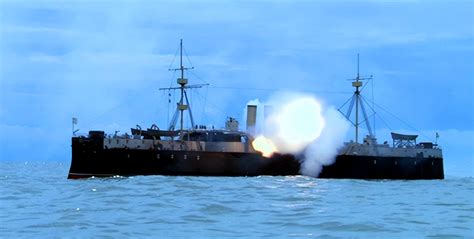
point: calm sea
(36, 201)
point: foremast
(182, 106)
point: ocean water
(37, 201)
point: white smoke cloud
(301, 125)
(323, 150)
(295, 122)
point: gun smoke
(300, 124)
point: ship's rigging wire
(132, 94)
(276, 89)
(384, 122)
(171, 84)
(370, 107)
(174, 58)
(204, 113)
(169, 97)
(204, 98)
(371, 104)
(221, 111)
(371, 80)
(187, 57)
(373, 100)
(399, 119)
(198, 77)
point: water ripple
(49, 205)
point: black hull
(89, 158)
(367, 167)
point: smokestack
(251, 118)
(267, 112)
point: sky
(104, 62)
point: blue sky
(103, 62)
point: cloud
(19, 29)
(44, 58)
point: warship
(199, 151)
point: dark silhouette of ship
(199, 151)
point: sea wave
(36, 200)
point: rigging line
(367, 102)
(189, 110)
(201, 104)
(187, 56)
(174, 103)
(373, 100)
(402, 121)
(383, 121)
(173, 121)
(172, 78)
(276, 89)
(370, 107)
(393, 115)
(171, 66)
(349, 110)
(202, 100)
(221, 111)
(366, 119)
(363, 121)
(131, 93)
(198, 77)
(197, 102)
(162, 97)
(345, 103)
(124, 102)
(174, 58)
(204, 116)
(169, 102)
(365, 85)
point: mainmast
(182, 82)
(182, 106)
(359, 103)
